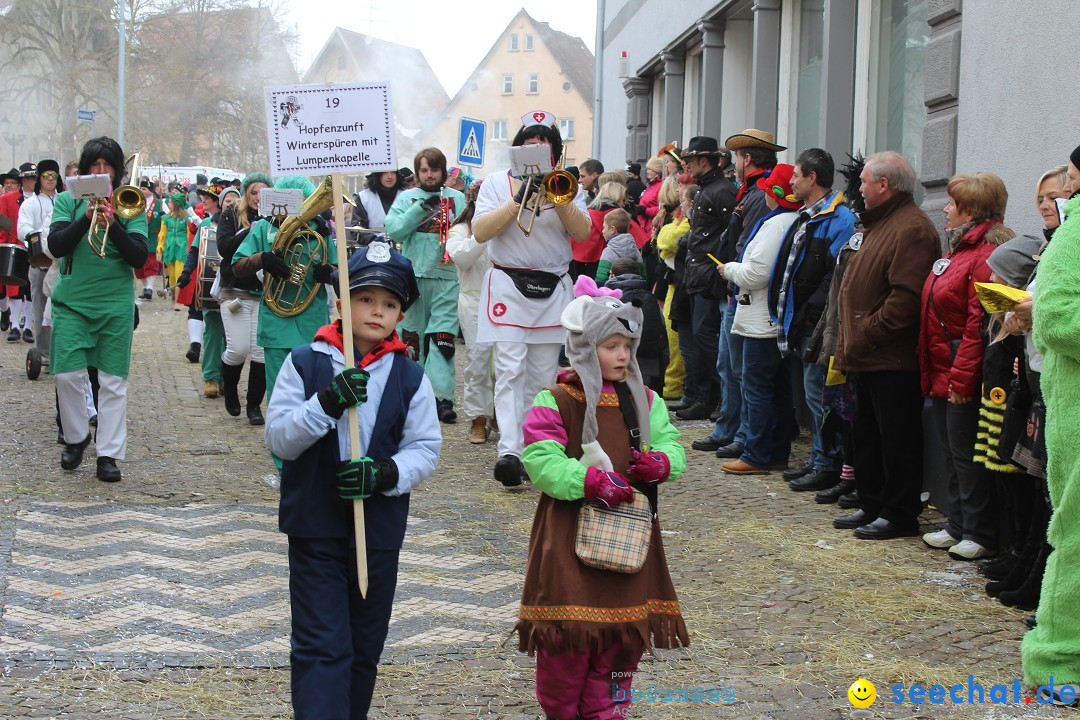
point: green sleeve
(136, 225)
(1057, 290)
(555, 474)
(404, 217)
(257, 241)
(665, 438)
(603, 270)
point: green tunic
(176, 245)
(93, 301)
(408, 223)
(276, 331)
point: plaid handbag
(615, 538)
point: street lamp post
(11, 135)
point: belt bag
(535, 284)
(615, 538)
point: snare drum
(14, 265)
(209, 264)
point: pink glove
(651, 468)
(607, 488)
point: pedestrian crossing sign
(471, 136)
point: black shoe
(882, 529)
(5, 320)
(794, 473)
(680, 404)
(817, 480)
(509, 471)
(708, 444)
(849, 522)
(147, 294)
(715, 414)
(193, 352)
(14, 335)
(230, 382)
(731, 450)
(831, 495)
(1000, 567)
(446, 412)
(255, 416)
(107, 470)
(849, 501)
(71, 458)
(697, 411)
(28, 335)
(1026, 595)
(1030, 622)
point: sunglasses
(50, 176)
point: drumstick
(718, 263)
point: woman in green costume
(1051, 651)
(93, 311)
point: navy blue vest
(310, 506)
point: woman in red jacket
(611, 195)
(951, 343)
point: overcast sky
(454, 35)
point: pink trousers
(592, 686)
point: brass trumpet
(302, 248)
(127, 202)
(558, 187)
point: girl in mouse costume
(589, 627)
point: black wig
(106, 149)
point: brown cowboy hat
(751, 138)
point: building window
(807, 61)
(896, 112)
(534, 83)
(528, 42)
(513, 42)
(566, 128)
(498, 130)
(508, 84)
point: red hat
(777, 182)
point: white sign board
(280, 203)
(320, 129)
(526, 160)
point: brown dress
(567, 606)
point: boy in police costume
(432, 324)
(93, 312)
(337, 636)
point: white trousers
(479, 394)
(37, 294)
(241, 329)
(521, 371)
(112, 411)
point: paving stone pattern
(165, 595)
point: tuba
(303, 249)
(127, 202)
(558, 187)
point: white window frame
(513, 42)
(533, 86)
(529, 45)
(566, 128)
(498, 130)
(508, 78)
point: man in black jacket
(707, 290)
(755, 155)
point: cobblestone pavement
(165, 596)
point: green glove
(362, 478)
(348, 388)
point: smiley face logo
(862, 693)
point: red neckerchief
(747, 184)
(331, 334)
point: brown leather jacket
(880, 296)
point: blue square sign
(471, 135)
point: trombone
(558, 187)
(127, 202)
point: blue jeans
(831, 458)
(767, 391)
(729, 426)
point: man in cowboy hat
(10, 180)
(706, 161)
(755, 155)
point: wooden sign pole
(347, 340)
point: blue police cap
(379, 264)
